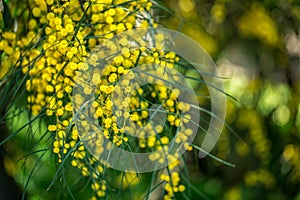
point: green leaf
(8, 20)
(213, 157)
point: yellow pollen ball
(171, 118)
(74, 163)
(50, 2)
(181, 188)
(111, 11)
(112, 27)
(49, 88)
(170, 103)
(36, 12)
(60, 112)
(68, 89)
(164, 140)
(186, 118)
(109, 20)
(52, 128)
(69, 28)
(56, 150)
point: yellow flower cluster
(139, 102)
(257, 135)
(260, 176)
(172, 184)
(55, 46)
(52, 53)
(136, 105)
(10, 51)
(258, 23)
(99, 188)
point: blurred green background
(256, 45)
